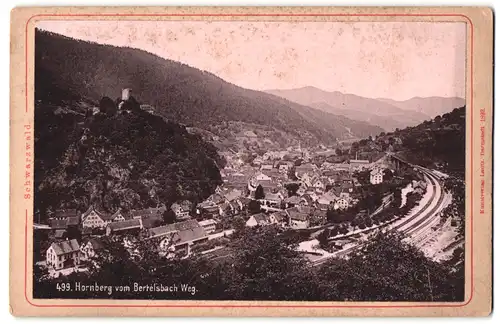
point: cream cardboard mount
(251, 161)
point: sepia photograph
(249, 160)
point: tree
(333, 215)
(388, 269)
(323, 238)
(388, 175)
(259, 192)
(363, 177)
(169, 216)
(107, 106)
(254, 207)
(291, 174)
(257, 271)
(292, 188)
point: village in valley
(154, 171)
(324, 193)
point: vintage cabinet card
(238, 161)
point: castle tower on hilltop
(126, 94)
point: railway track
(411, 226)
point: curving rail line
(415, 224)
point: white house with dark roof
(258, 219)
(90, 247)
(271, 199)
(279, 218)
(299, 217)
(119, 216)
(93, 218)
(292, 201)
(63, 254)
(376, 176)
(209, 225)
(182, 209)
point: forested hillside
(177, 91)
(436, 143)
(111, 160)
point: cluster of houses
(297, 217)
(93, 220)
(319, 187)
(176, 237)
(70, 253)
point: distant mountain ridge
(178, 92)
(386, 113)
(431, 106)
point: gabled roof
(306, 167)
(96, 244)
(299, 213)
(280, 216)
(66, 213)
(422, 185)
(359, 161)
(189, 235)
(58, 223)
(125, 225)
(319, 213)
(175, 227)
(261, 218)
(149, 221)
(73, 221)
(102, 215)
(293, 200)
(267, 184)
(376, 171)
(118, 213)
(65, 247)
(335, 191)
(346, 186)
(207, 222)
(183, 205)
(235, 204)
(152, 211)
(272, 196)
(307, 198)
(225, 205)
(59, 233)
(162, 230)
(245, 200)
(87, 230)
(233, 194)
(217, 198)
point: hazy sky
(392, 60)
